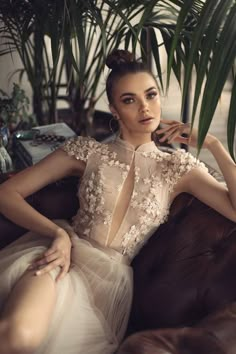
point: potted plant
(14, 109)
(81, 33)
(13, 114)
(26, 25)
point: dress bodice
(125, 193)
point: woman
(68, 288)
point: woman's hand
(58, 254)
(174, 130)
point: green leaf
(179, 26)
(144, 45)
(208, 43)
(115, 7)
(232, 122)
(208, 10)
(222, 60)
(156, 55)
(167, 38)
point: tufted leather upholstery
(184, 285)
(188, 266)
(184, 277)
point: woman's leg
(25, 319)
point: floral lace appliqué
(151, 214)
(82, 147)
(178, 164)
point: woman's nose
(144, 107)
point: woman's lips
(146, 120)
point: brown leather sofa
(184, 277)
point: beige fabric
(124, 196)
(93, 300)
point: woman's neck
(136, 139)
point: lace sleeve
(180, 163)
(80, 147)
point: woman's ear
(113, 111)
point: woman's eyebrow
(133, 94)
(151, 88)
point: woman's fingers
(172, 132)
(162, 130)
(46, 263)
(169, 121)
(173, 137)
(50, 250)
(58, 254)
(182, 140)
(47, 258)
(58, 262)
(168, 133)
(177, 138)
(50, 266)
(63, 272)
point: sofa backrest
(187, 269)
(56, 201)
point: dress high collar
(146, 147)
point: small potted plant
(14, 110)
(13, 116)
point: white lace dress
(124, 196)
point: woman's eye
(151, 95)
(128, 100)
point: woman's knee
(20, 338)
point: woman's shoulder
(81, 147)
(180, 162)
(181, 157)
(79, 140)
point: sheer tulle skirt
(93, 300)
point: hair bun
(118, 58)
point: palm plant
(91, 32)
(196, 35)
(25, 26)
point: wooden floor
(171, 110)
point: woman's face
(136, 103)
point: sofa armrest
(56, 201)
(215, 334)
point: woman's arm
(13, 205)
(227, 167)
(198, 182)
(14, 191)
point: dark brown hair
(122, 62)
